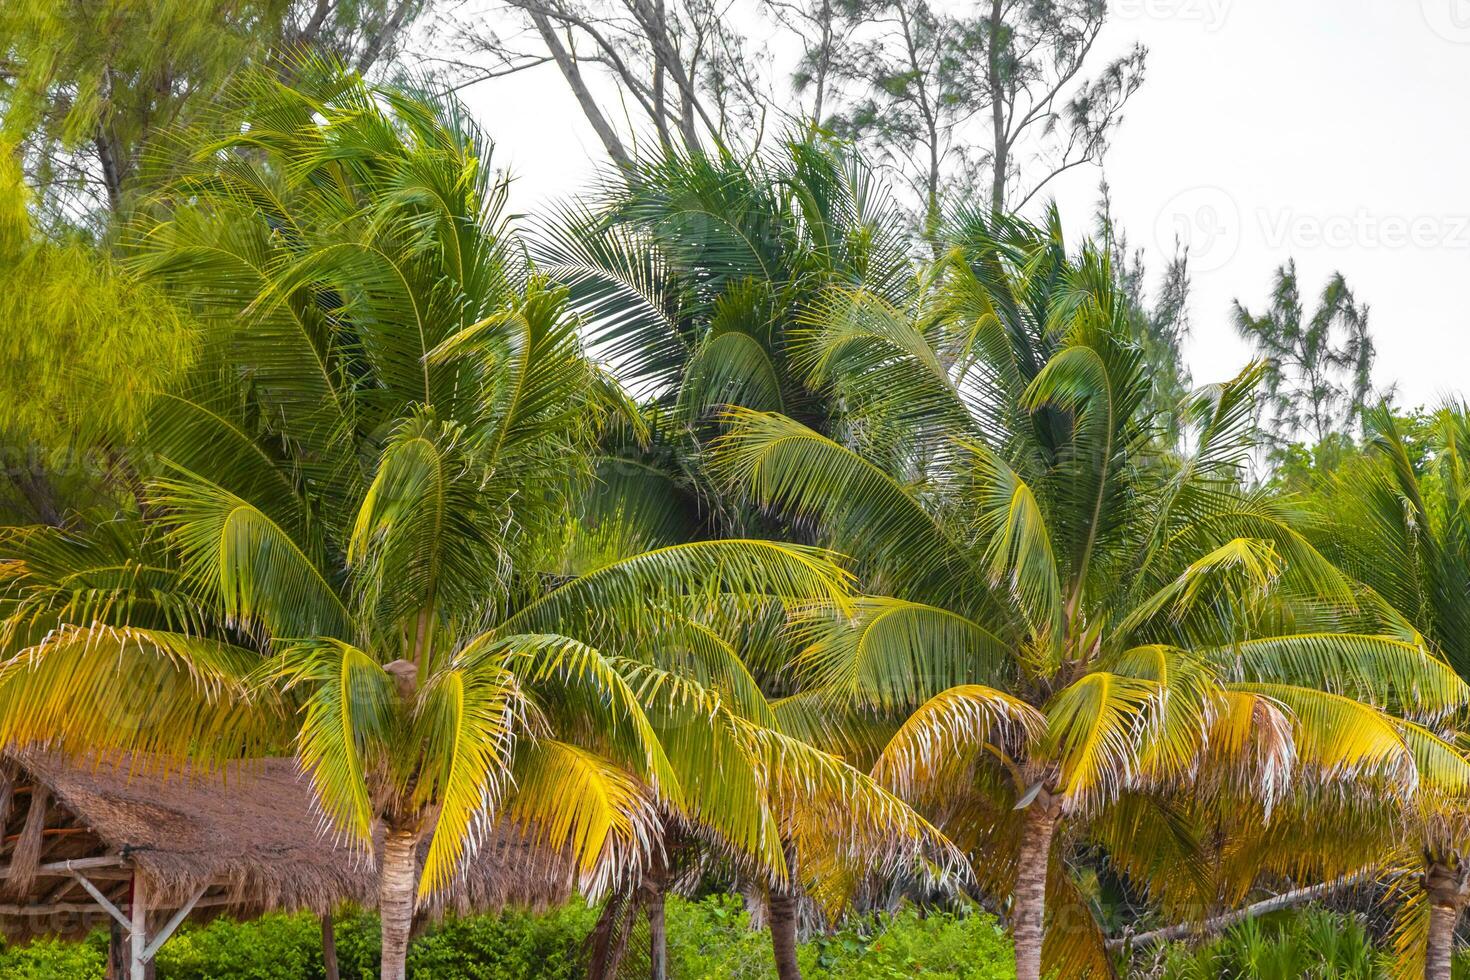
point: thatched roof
(249, 837)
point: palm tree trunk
(397, 888)
(610, 936)
(658, 939)
(1028, 909)
(1446, 884)
(1442, 920)
(782, 906)
(329, 949)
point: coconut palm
(690, 269)
(821, 823)
(1395, 520)
(688, 272)
(347, 541)
(1065, 617)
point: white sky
(1332, 131)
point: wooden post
(138, 934)
(329, 948)
(117, 951)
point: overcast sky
(1332, 131)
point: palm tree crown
(1069, 616)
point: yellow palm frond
(465, 724)
(954, 726)
(568, 797)
(1093, 729)
(164, 698)
(348, 715)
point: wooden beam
(20, 911)
(75, 864)
(52, 832)
(103, 901)
(53, 908)
(173, 923)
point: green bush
(710, 939)
(548, 946)
(1312, 944)
(53, 960)
(942, 946)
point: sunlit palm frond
(1401, 677)
(952, 726)
(568, 797)
(348, 714)
(892, 653)
(164, 699)
(1093, 729)
(466, 720)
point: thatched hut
(88, 846)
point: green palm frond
(700, 569)
(1018, 541)
(422, 536)
(621, 283)
(466, 720)
(247, 564)
(891, 653)
(1401, 677)
(348, 715)
(1241, 569)
(865, 511)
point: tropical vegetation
(722, 531)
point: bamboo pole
(138, 934)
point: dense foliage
(708, 940)
(713, 533)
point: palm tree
(347, 540)
(1067, 616)
(688, 271)
(1394, 519)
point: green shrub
(941, 945)
(1311, 944)
(710, 939)
(548, 946)
(53, 960)
(273, 947)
